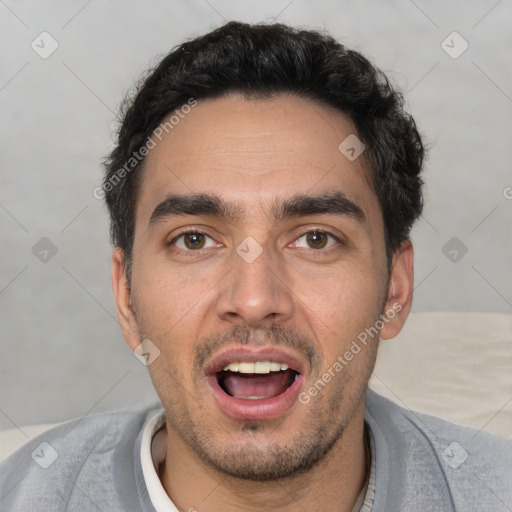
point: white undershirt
(151, 458)
(153, 451)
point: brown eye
(317, 239)
(192, 241)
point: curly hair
(260, 60)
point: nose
(255, 292)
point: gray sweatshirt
(419, 464)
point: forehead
(250, 152)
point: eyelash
(199, 251)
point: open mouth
(249, 385)
(256, 380)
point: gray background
(62, 354)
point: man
(261, 195)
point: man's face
(279, 282)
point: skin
(250, 153)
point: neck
(333, 484)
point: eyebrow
(299, 205)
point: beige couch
(457, 366)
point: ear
(399, 300)
(125, 313)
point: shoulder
(473, 466)
(54, 468)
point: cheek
(171, 320)
(342, 316)
(345, 302)
(169, 300)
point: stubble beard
(248, 461)
(314, 439)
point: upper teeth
(256, 367)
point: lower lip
(256, 410)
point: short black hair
(258, 61)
